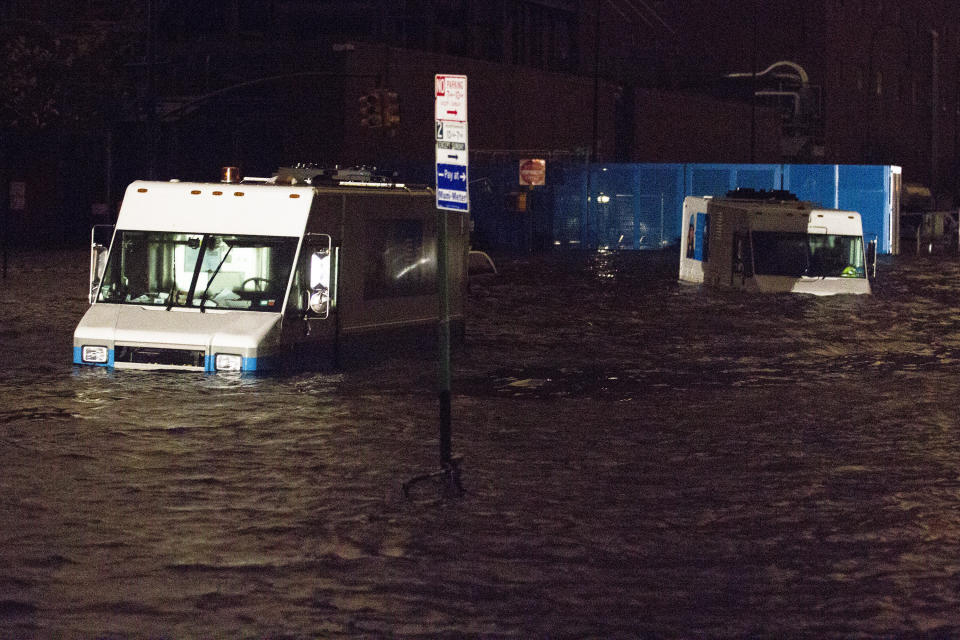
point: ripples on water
(642, 458)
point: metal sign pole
(452, 195)
(444, 340)
(449, 471)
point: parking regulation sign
(451, 98)
(452, 187)
(450, 93)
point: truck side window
(400, 260)
(701, 249)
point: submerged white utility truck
(772, 242)
(305, 270)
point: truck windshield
(198, 270)
(778, 253)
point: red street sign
(533, 172)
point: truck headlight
(228, 362)
(93, 354)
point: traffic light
(391, 108)
(371, 110)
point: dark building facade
(880, 85)
(172, 88)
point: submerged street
(641, 459)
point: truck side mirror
(319, 276)
(872, 258)
(99, 248)
(98, 263)
(316, 303)
(319, 301)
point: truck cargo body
(257, 277)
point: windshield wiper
(171, 298)
(203, 296)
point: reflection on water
(641, 459)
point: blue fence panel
(495, 227)
(612, 214)
(812, 182)
(639, 206)
(709, 181)
(866, 189)
(659, 201)
(568, 187)
(634, 206)
(718, 179)
(759, 177)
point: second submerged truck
(772, 242)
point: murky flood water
(641, 459)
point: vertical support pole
(934, 114)
(444, 339)
(585, 236)
(836, 186)
(108, 177)
(594, 152)
(594, 149)
(663, 206)
(153, 125)
(753, 85)
(5, 209)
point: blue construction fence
(639, 206)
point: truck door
(310, 320)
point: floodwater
(641, 459)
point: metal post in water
(449, 464)
(443, 355)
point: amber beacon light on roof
(230, 174)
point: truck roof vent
(315, 175)
(761, 194)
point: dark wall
(673, 127)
